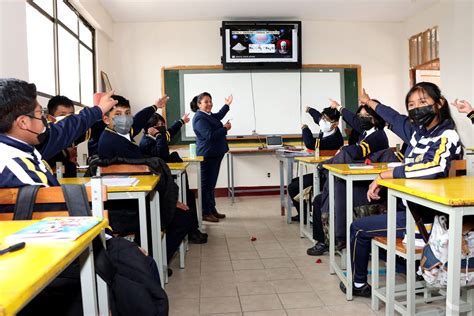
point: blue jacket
(331, 142)
(471, 116)
(429, 153)
(158, 146)
(210, 133)
(22, 164)
(113, 145)
(366, 144)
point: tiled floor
(231, 275)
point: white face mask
(325, 126)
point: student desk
(26, 272)
(308, 161)
(178, 169)
(453, 196)
(230, 168)
(288, 158)
(343, 171)
(197, 162)
(144, 187)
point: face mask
(123, 123)
(325, 126)
(161, 130)
(422, 116)
(45, 133)
(365, 123)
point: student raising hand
(228, 125)
(463, 106)
(185, 118)
(161, 102)
(333, 104)
(229, 100)
(106, 102)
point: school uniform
(157, 146)
(211, 143)
(325, 141)
(22, 164)
(471, 116)
(428, 156)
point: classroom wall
(13, 50)
(139, 50)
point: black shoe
(203, 234)
(196, 237)
(340, 244)
(364, 291)
(317, 250)
(295, 218)
(170, 272)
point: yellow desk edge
(344, 169)
(145, 183)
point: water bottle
(192, 151)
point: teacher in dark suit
(211, 143)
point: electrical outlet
(268, 175)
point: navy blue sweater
(113, 145)
(158, 146)
(471, 116)
(366, 145)
(22, 164)
(429, 153)
(331, 142)
(210, 133)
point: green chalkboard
(172, 87)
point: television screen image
(261, 45)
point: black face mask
(422, 116)
(161, 130)
(365, 123)
(45, 133)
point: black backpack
(132, 278)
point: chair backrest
(125, 169)
(457, 166)
(50, 195)
(327, 153)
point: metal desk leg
(282, 188)
(88, 284)
(332, 237)
(179, 182)
(289, 204)
(156, 233)
(199, 200)
(300, 179)
(411, 272)
(349, 214)
(232, 176)
(391, 240)
(454, 271)
(228, 175)
(142, 220)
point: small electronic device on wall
(274, 141)
(261, 44)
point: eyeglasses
(364, 116)
(43, 112)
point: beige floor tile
(239, 255)
(250, 275)
(247, 264)
(272, 253)
(260, 302)
(283, 274)
(253, 288)
(266, 313)
(216, 266)
(219, 276)
(300, 300)
(291, 286)
(218, 289)
(315, 311)
(272, 263)
(351, 308)
(210, 305)
(184, 306)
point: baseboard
(265, 190)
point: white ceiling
(312, 10)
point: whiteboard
(265, 102)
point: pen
(12, 248)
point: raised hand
(333, 104)
(106, 102)
(152, 131)
(364, 97)
(161, 102)
(227, 125)
(229, 100)
(304, 126)
(185, 118)
(463, 106)
(307, 108)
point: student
(372, 138)
(329, 138)
(23, 125)
(117, 140)
(433, 143)
(155, 144)
(211, 143)
(464, 107)
(155, 141)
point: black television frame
(260, 65)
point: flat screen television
(261, 45)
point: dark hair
(379, 122)
(333, 114)
(17, 98)
(121, 101)
(434, 92)
(152, 121)
(58, 100)
(197, 99)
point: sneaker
(317, 250)
(364, 291)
